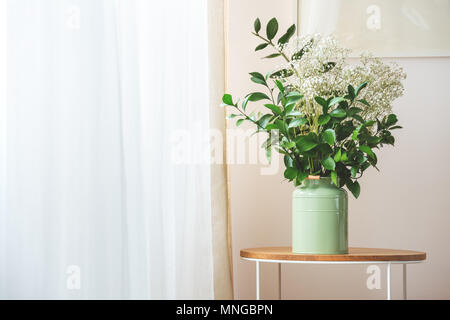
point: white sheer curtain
(94, 201)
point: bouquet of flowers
(325, 115)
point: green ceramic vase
(319, 218)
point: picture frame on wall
(387, 28)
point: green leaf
(271, 126)
(325, 149)
(328, 136)
(292, 113)
(389, 140)
(335, 100)
(297, 122)
(239, 122)
(258, 78)
(261, 46)
(258, 81)
(324, 119)
(268, 142)
(288, 162)
(329, 164)
(351, 92)
(273, 55)
(361, 158)
(373, 139)
(245, 102)
(391, 120)
(231, 116)
(338, 155)
(354, 188)
(298, 55)
(279, 85)
(290, 173)
(367, 150)
(334, 177)
(301, 176)
(365, 165)
(328, 66)
(358, 117)
(338, 113)
(353, 110)
(288, 109)
(290, 104)
(360, 87)
(269, 154)
(369, 123)
(306, 143)
(280, 97)
(254, 96)
(354, 171)
(322, 102)
(257, 96)
(257, 25)
(283, 73)
(276, 109)
(264, 120)
(288, 145)
(287, 36)
(294, 95)
(272, 28)
(358, 129)
(364, 102)
(281, 126)
(227, 99)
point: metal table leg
(279, 281)
(388, 281)
(404, 282)
(257, 281)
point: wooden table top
(354, 254)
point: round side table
(281, 255)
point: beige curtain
(223, 278)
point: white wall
(405, 206)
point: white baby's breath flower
(319, 68)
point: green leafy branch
(336, 142)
